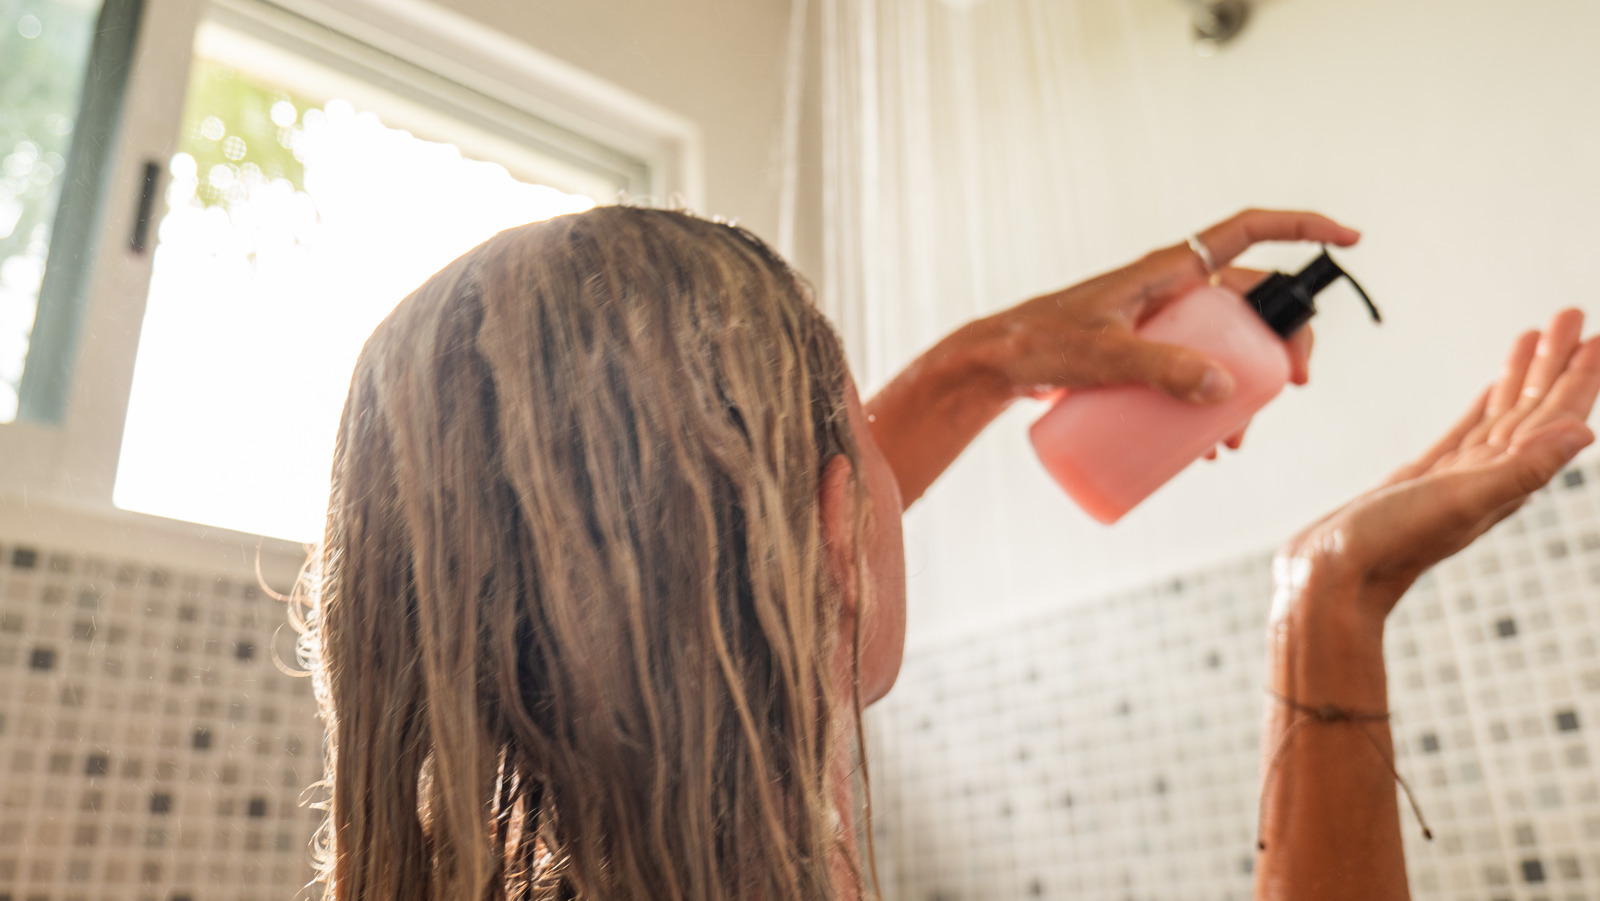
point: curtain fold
(951, 134)
(955, 166)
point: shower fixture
(1214, 23)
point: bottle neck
(1282, 303)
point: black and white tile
(1110, 750)
(152, 744)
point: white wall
(1461, 137)
(719, 62)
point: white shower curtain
(960, 159)
(960, 147)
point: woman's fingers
(1523, 469)
(1550, 360)
(1506, 389)
(1446, 445)
(1560, 340)
(1300, 344)
(1233, 236)
(1178, 372)
(1236, 440)
(1399, 531)
(1574, 392)
(1240, 280)
(1514, 373)
(1170, 272)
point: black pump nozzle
(1287, 302)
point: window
(304, 203)
(45, 52)
(296, 167)
(154, 189)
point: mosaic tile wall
(1110, 751)
(152, 750)
(150, 745)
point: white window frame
(71, 465)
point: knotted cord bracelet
(1328, 713)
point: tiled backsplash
(1110, 751)
(150, 745)
(152, 748)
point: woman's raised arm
(1078, 337)
(1330, 818)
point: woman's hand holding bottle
(1085, 336)
(1080, 337)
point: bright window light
(293, 227)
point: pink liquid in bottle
(1110, 448)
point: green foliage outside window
(238, 130)
(239, 133)
(44, 47)
(44, 51)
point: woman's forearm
(1330, 818)
(931, 411)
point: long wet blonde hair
(569, 624)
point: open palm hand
(1518, 434)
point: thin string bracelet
(1328, 713)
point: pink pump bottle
(1110, 448)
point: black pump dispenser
(1287, 302)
